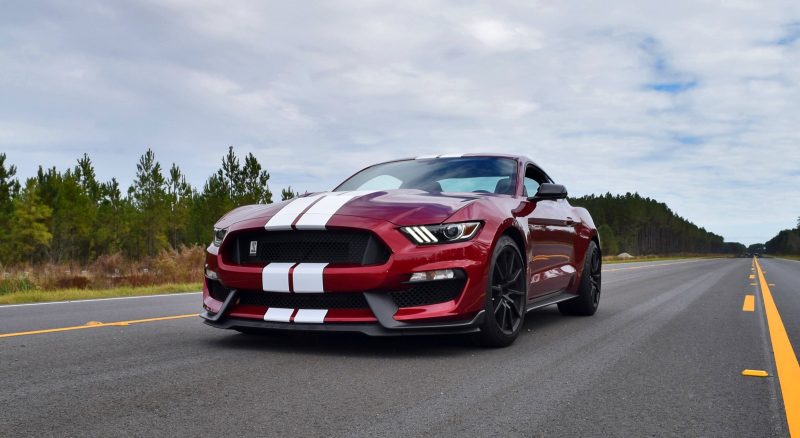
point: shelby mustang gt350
(440, 244)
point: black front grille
(309, 246)
(430, 292)
(303, 301)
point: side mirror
(550, 192)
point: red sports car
(438, 244)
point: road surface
(663, 356)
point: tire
(589, 290)
(506, 296)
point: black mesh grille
(430, 292)
(303, 300)
(217, 290)
(309, 246)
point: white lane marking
(101, 299)
(307, 277)
(275, 277)
(278, 314)
(315, 316)
(320, 213)
(282, 220)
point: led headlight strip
(442, 233)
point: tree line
(70, 216)
(638, 225)
(785, 242)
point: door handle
(569, 222)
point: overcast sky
(694, 103)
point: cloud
(694, 103)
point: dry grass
(41, 296)
(174, 267)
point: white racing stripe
(320, 213)
(307, 277)
(316, 316)
(278, 314)
(275, 277)
(284, 217)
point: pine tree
(149, 197)
(288, 193)
(9, 187)
(28, 230)
(254, 183)
(179, 195)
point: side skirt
(547, 300)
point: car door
(551, 239)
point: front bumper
(383, 309)
(381, 315)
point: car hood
(402, 207)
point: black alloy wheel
(588, 298)
(595, 268)
(506, 295)
(508, 286)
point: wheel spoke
(515, 309)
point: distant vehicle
(431, 245)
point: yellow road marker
(752, 284)
(755, 373)
(95, 324)
(749, 303)
(785, 359)
(772, 284)
(752, 276)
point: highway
(664, 355)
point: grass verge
(42, 296)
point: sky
(693, 103)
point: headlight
(219, 235)
(444, 233)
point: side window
(533, 179)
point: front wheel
(505, 296)
(589, 290)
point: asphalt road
(662, 357)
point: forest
(70, 217)
(641, 226)
(786, 242)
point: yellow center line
(785, 359)
(652, 266)
(749, 303)
(96, 324)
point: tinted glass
(467, 174)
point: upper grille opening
(308, 246)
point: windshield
(465, 174)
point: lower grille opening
(302, 300)
(217, 290)
(430, 292)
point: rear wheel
(505, 296)
(589, 290)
